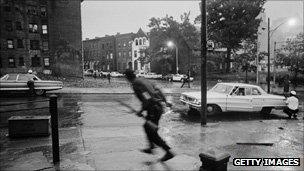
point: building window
(124, 53)
(33, 28)
(9, 25)
(46, 61)
(130, 53)
(18, 25)
(7, 8)
(136, 42)
(20, 43)
(140, 41)
(111, 56)
(11, 62)
(135, 53)
(124, 45)
(21, 61)
(44, 29)
(45, 45)
(10, 44)
(119, 54)
(119, 45)
(31, 10)
(43, 11)
(144, 41)
(103, 46)
(34, 44)
(35, 61)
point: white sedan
(18, 82)
(116, 74)
(225, 97)
(180, 77)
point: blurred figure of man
(151, 98)
(292, 103)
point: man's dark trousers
(154, 114)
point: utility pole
(274, 62)
(268, 49)
(203, 63)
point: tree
(184, 35)
(292, 56)
(232, 21)
(246, 60)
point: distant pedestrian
(292, 103)
(187, 79)
(109, 77)
(286, 85)
(31, 83)
(151, 98)
(95, 74)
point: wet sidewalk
(116, 146)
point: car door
(240, 100)
(257, 100)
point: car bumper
(190, 105)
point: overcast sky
(109, 17)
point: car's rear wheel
(213, 109)
(39, 92)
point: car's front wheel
(213, 109)
(266, 110)
(39, 92)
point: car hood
(210, 95)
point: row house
(116, 53)
(99, 53)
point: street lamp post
(170, 44)
(290, 23)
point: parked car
(150, 75)
(167, 77)
(234, 97)
(116, 74)
(88, 72)
(103, 74)
(180, 77)
(18, 82)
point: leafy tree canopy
(230, 22)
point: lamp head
(170, 44)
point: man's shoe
(169, 155)
(147, 150)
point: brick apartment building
(42, 35)
(99, 53)
(124, 51)
(116, 53)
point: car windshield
(221, 88)
(26, 77)
(11, 77)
